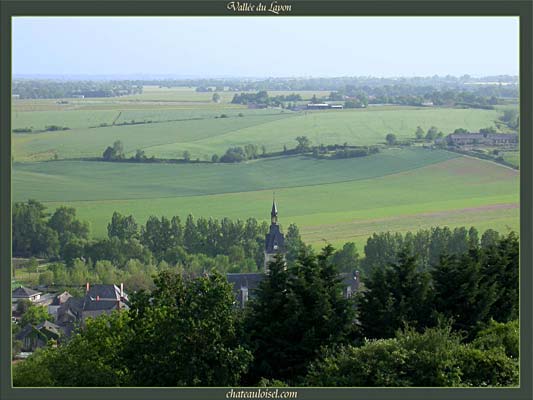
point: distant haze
(195, 47)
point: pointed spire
(274, 212)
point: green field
(512, 157)
(332, 200)
(208, 135)
(346, 200)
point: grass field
(333, 200)
(210, 135)
(512, 157)
(345, 200)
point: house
(35, 336)
(244, 285)
(488, 139)
(57, 301)
(256, 106)
(24, 293)
(99, 299)
(318, 106)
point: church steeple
(274, 213)
(274, 240)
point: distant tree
(108, 154)
(118, 149)
(460, 130)
(419, 134)
(489, 238)
(116, 152)
(34, 315)
(46, 278)
(294, 245)
(234, 154)
(140, 155)
(490, 129)
(251, 151)
(123, 227)
(23, 305)
(511, 117)
(303, 144)
(216, 98)
(432, 133)
(347, 258)
(187, 156)
(391, 139)
(31, 235)
(214, 158)
(67, 226)
(161, 235)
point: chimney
(87, 287)
(97, 298)
(121, 291)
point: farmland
(398, 189)
(444, 190)
(177, 120)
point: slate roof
(274, 238)
(46, 325)
(100, 305)
(106, 292)
(61, 298)
(49, 326)
(245, 280)
(23, 292)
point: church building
(244, 284)
(274, 240)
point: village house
(24, 293)
(57, 301)
(487, 139)
(99, 299)
(33, 337)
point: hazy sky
(266, 46)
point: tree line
(52, 89)
(455, 325)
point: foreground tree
(434, 358)
(185, 334)
(92, 357)
(297, 310)
(395, 296)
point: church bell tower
(274, 240)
